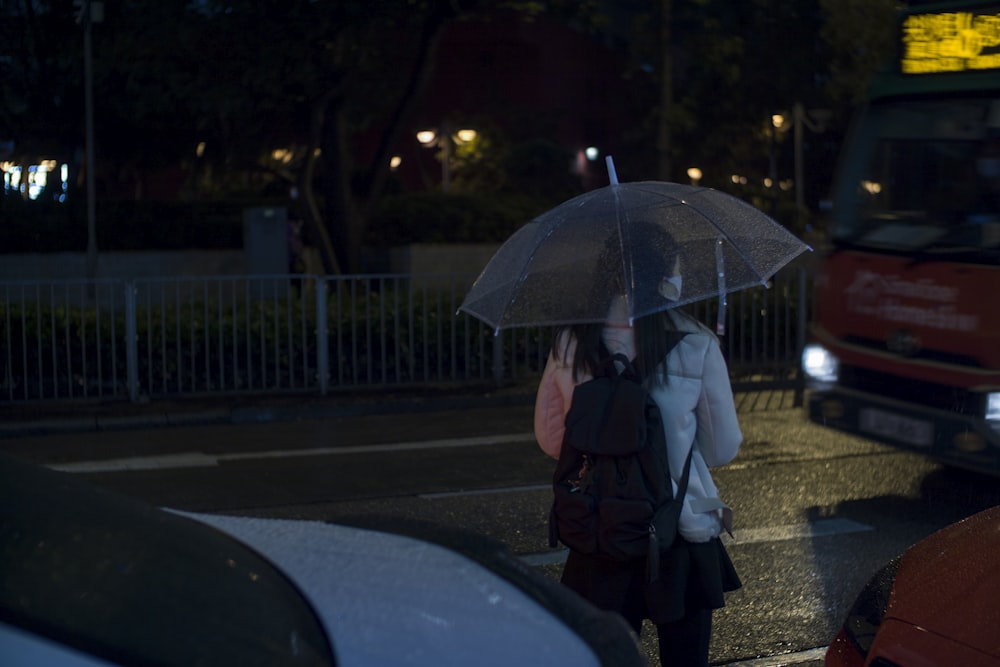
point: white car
(90, 578)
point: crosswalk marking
(795, 531)
(809, 529)
(797, 658)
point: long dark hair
(655, 336)
(590, 351)
(651, 254)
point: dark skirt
(693, 575)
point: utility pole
(664, 140)
(89, 12)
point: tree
(250, 76)
(247, 79)
(860, 34)
(351, 190)
(272, 95)
(714, 71)
(41, 94)
(710, 74)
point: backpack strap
(629, 370)
(653, 553)
(682, 483)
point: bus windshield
(926, 178)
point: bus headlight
(993, 406)
(820, 365)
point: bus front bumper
(955, 439)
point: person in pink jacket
(689, 381)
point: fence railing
(185, 336)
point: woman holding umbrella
(627, 256)
(687, 377)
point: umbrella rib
(724, 235)
(524, 272)
(628, 270)
(684, 201)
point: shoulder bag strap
(682, 483)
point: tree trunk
(348, 211)
(345, 223)
(412, 95)
(311, 215)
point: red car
(937, 605)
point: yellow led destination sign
(950, 42)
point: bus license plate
(915, 432)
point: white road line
(798, 658)
(202, 460)
(485, 492)
(166, 461)
(820, 528)
(545, 558)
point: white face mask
(670, 287)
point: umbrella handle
(720, 268)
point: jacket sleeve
(719, 435)
(555, 393)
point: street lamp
(694, 173)
(777, 126)
(426, 137)
(443, 139)
(816, 121)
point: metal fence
(186, 336)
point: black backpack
(612, 492)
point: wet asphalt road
(816, 512)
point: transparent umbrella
(656, 245)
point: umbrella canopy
(655, 244)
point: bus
(904, 342)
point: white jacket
(696, 403)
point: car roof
(394, 600)
(125, 581)
(128, 582)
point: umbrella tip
(612, 174)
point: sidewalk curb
(264, 412)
